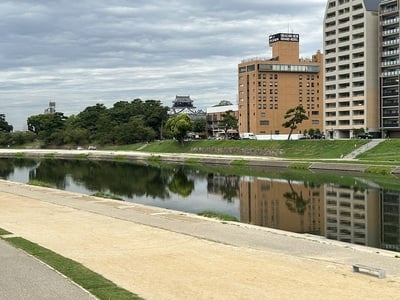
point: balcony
(390, 53)
(390, 102)
(390, 32)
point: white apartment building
(389, 67)
(351, 85)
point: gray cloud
(78, 53)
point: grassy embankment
(301, 149)
(382, 158)
(386, 152)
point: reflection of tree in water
(295, 201)
(8, 165)
(180, 184)
(121, 179)
(51, 172)
(227, 185)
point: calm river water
(348, 208)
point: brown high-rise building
(269, 87)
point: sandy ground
(159, 264)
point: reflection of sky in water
(198, 201)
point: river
(344, 207)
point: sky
(80, 53)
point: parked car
(92, 148)
(365, 135)
(318, 136)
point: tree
(44, 125)
(179, 126)
(199, 125)
(294, 116)
(88, 119)
(227, 122)
(4, 126)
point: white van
(248, 136)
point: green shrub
(192, 161)
(379, 170)
(239, 162)
(299, 166)
(19, 155)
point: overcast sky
(79, 53)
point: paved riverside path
(164, 254)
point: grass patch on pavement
(4, 232)
(89, 280)
(106, 195)
(39, 183)
(219, 216)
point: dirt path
(161, 264)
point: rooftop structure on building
(51, 109)
(351, 98)
(268, 88)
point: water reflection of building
(352, 215)
(391, 221)
(282, 204)
(365, 216)
(227, 186)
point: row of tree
(124, 123)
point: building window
(264, 123)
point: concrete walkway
(373, 143)
(163, 254)
(24, 277)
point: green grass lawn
(387, 151)
(285, 149)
